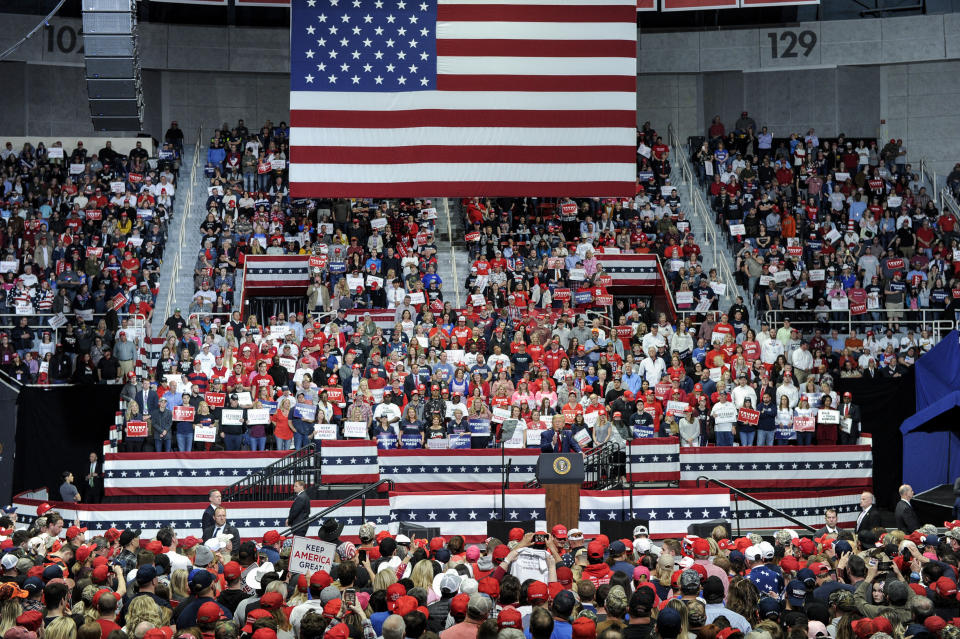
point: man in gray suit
(299, 509)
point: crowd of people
(540, 344)
(82, 237)
(868, 582)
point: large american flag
(464, 469)
(397, 98)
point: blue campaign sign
(480, 427)
(387, 441)
(643, 432)
(306, 412)
(582, 297)
(270, 405)
(460, 440)
(337, 267)
(410, 442)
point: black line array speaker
(112, 63)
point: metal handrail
(261, 474)
(756, 501)
(360, 494)
(181, 239)
(699, 207)
(600, 468)
(807, 317)
(260, 486)
(453, 251)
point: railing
(275, 482)
(756, 501)
(360, 494)
(453, 251)
(928, 318)
(182, 236)
(698, 206)
(604, 466)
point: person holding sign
(827, 425)
(134, 444)
(746, 430)
(161, 425)
(281, 425)
(785, 432)
(804, 431)
(184, 425)
(767, 423)
(724, 414)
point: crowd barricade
(668, 511)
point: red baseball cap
(515, 534)
(232, 570)
(394, 592)
(701, 548)
(458, 605)
(210, 612)
(537, 591)
(510, 618)
(74, 531)
(489, 586)
(559, 531)
(272, 537)
(405, 605)
(323, 579)
(595, 549)
(565, 576)
(584, 628)
(500, 552)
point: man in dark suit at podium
(559, 439)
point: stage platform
(668, 510)
(176, 476)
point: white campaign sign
(258, 416)
(308, 556)
(355, 429)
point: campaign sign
(748, 416)
(410, 442)
(325, 431)
(232, 416)
(215, 400)
(804, 424)
(335, 394)
(460, 440)
(355, 429)
(136, 429)
(308, 556)
(386, 441)
(583, 297)
(183, 413)
(479, 427)
(205, 434)
(306, 412)
(827, 416)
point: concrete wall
(669, 99)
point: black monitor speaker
(622, 529)
(500, 529)
(704, 529)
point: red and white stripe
(350, 470)
(534, 97)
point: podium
(561, 475)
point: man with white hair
(869, 518)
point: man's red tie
(556, 443)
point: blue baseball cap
(796, 592)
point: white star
(332, 78)
(424, 56)
(321, 67)
(322, 17)
(378, 79)
(401, 55)
(413, 44)
(453, 515)
(424, 32)
(308, 78)
(423, 6)
(390, 68)
(653, 514)
(391, 19)
(389, 42)
(333, 30)
(424, 82)
(413, 19)
(356, 55)
(334, 3)
(356, 31)
(514, 514)
(344, 67)
(432, 515)
(379, 56)
(413, 68)
(472, 514)
(592, 515)
(333, 53)
(706, 513)
(378, 30)
(367, 42)
(322, 42)
(378, 4)
(368, 18)
(311, 3)
(356, 79)
(309, 53)
(413, 516)
(367, 68)
(345, 18)
(401, 5)
(687, 514)
(670, 514)
(344, 42)
(356, 3)
(401, 31)
(611, 515)
(402, 80)
(311, 29)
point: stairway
(453, 263)
(176, 273)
